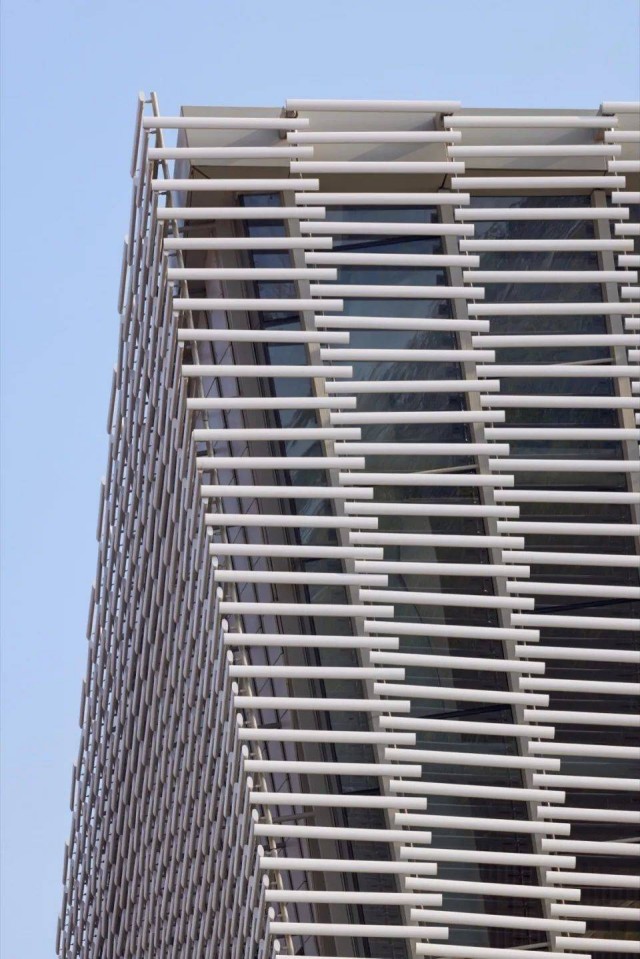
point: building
(362, 673)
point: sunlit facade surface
(363, 638)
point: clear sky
(72, 70)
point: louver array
(362, 674)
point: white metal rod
(534, 246)
(341, 800)
(560, 433)
(239, 213)
(581, 718)
(250, 734)
(569, 529)
(248, 243)
(260, 336)
(626, 196)
(311, 672)
(229, 153)
(376, 292)
(279, 462)
(349, 228)
(585, 749)
(375, 136)
(550, 465)
(311, 640)
(390, 355)
(356, 930)
(421, 449)
(349, 322)
(620, 106)
(548, 276)
(435, 478)
(574, 589)
(622, 136)
(413, 386)
(608, 182)
(427, 509)
(623, 166)
(434, 539)
(598, 944)
(392, 259)
(609, 913)
(293, 550)
(607, 880)
(340, 896)
(259, 305)
(443, 569)
(383, 866)
(541, 213)
(275, 434)
(320, 704)
(580, 685)
(428, 416)
(349, 610)
(557, 339)
(315, 579)
(264, 371)
(223, 123)
(335, 833)
(533, 150)
(250, 273)
(283, 521)
(363, 198)
(562, 402)
(551, 309)
(599, 371)
(580, 814)
(284, 492)
(389, 167)
(238, 184)
(529, 120)
(573, 653)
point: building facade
(362, 673)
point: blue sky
(72, 70)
